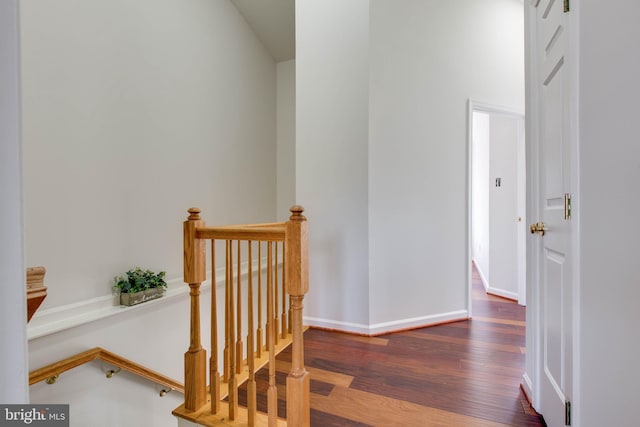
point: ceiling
(273, 21)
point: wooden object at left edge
(36, 291)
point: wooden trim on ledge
(36, 291)
(98, 353)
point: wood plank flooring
(458, 374)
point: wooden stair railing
(53, 370)
(281, 286)
(36, 291)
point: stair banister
(195, 359)
(297, 264)
(291, 237)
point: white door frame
(474, 106)
(14, 387)
(533, 360)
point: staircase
(270, 263)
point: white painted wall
(480, 182)
(13, 386)
(381, 150)
(427, 59)
(332, 99)
(133, 112)
(503, 208)
(608, 206)
(286, 163)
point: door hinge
(566, 6)
(567, 206)
(567, 413)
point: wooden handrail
(259, 225)
(98, 353)
(275, 232)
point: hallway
(465, 373)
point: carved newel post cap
(296, 213)
(194, 214)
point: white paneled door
(554, 223)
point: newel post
(297, 265)
(195, 359)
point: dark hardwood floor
(465, 373)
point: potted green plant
(138, 286)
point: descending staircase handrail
(53, 370)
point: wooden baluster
(195, 359)
(290, 314)
(227, 322)
(239, 344)
(272, 392)
(233, 385)
(275, 300)
(213, 364)
(259, 339)
(268, 321)
(298, 411)
(251, 384)
(284, 293)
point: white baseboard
(416, 322)
(386, 327)
(354, 328)
(483, 278)
(491, 290)
(527, 387)
(503, 293)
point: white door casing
(522, 215)
(553, 253)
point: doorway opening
(497, 200)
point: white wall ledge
(56, 319)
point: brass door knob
(538, 227)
